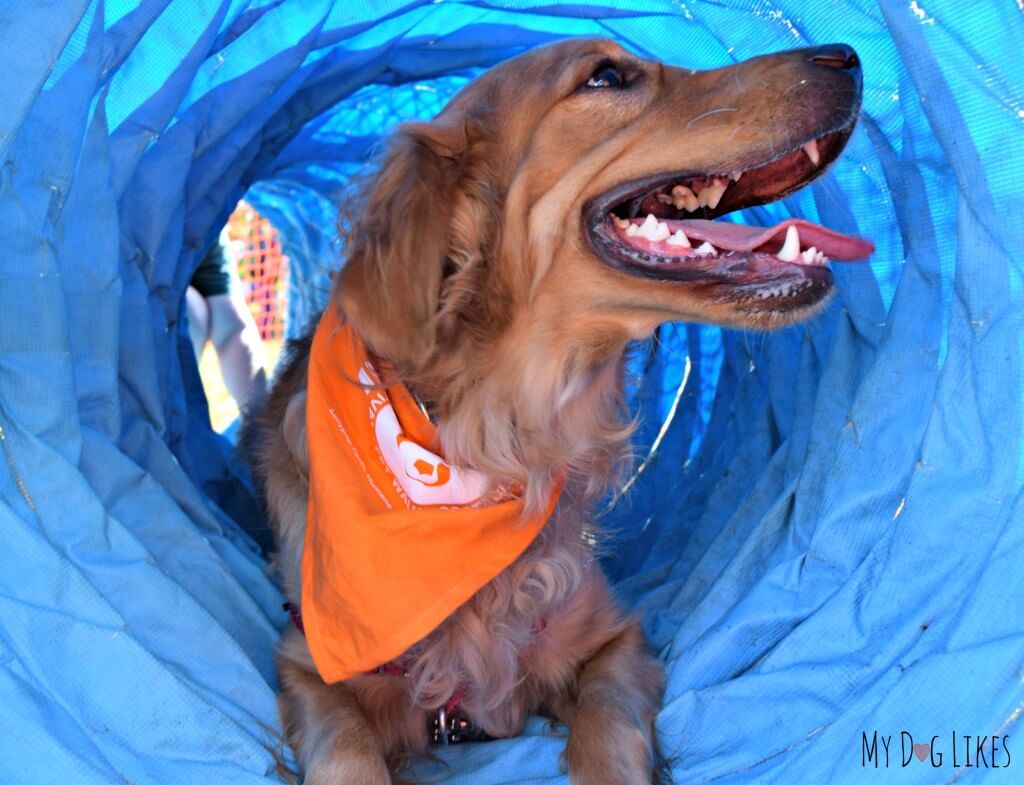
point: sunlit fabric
(822, 544)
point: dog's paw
(610, 753)
(348, 767)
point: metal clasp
(452, 727)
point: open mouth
(664, 227)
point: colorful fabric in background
(262, 269)
(825, 544)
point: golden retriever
(504, 256)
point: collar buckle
(453, 727)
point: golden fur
(469, 274)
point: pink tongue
(740, 237)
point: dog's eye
(606, 76)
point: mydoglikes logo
(955, 750)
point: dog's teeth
(811, 148)
(791, 247)
(664, 198)
(774, 291)
(679, 238)
(736, 176)
(621, 223)
(716, 191)
(653, 230)
(812, 256)
(711, 195)
(706, 249)
(632, 230)
(684, 198)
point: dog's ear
(390, 286)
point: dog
(505, 254)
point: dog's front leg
(326, 727)
(611, 720)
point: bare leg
(198, 320)
(239, 349)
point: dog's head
(564, 204)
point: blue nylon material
(827, 541)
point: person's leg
(239, 349)
(198, 320)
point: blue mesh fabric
(821, 545)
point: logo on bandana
(426, 477)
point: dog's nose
(839, 56)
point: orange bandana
(396, 539)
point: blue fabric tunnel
(821, 540)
